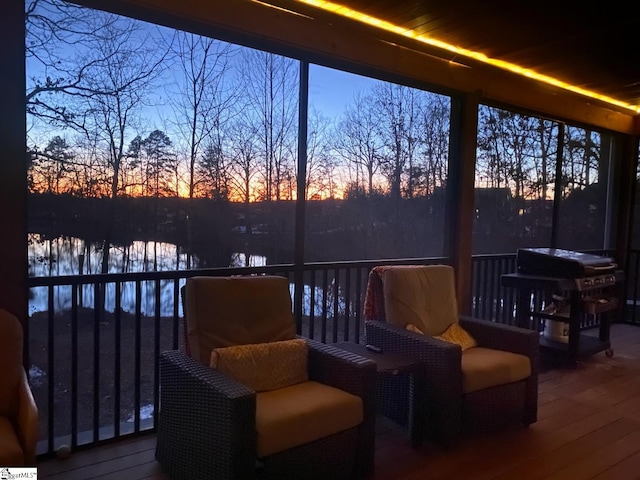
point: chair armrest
(442, 375)
(502, 337)
(27, 421)
(341, 369)
(393, 339)
(354, 374)
(206, 423)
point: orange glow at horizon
(347, 12)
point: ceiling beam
(345, 44)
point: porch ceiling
(591, 46)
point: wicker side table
(400, 394)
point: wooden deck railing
(93, 354)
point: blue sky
(331, 90)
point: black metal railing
(93, 353)
(491, 301)
(632, 284)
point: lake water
(73, 256)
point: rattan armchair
(211, 425)
(456, 402)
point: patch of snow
(146, 413)
(36, 376)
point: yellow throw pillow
(412, 328)
(458, 335)
(264, 366)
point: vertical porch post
(460, 194)
(13, 162)
(303, 104)
(623, 215)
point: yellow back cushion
(422, 295)
(264, 366)
(227, 311)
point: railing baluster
(74, 366)
(156, 353)
(136, 376)
(505, 300)
(636, 283)
(51, 380)
(336, 302)
(117, 359)
(474, 288)
(485, 289)
(98, 310)
(358, 319)
(325, 287)
(347, 302)
(312, 304)
(494, 280)
(176, 314)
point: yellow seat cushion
(485, 367)
(11, 454)
(299, 414)
(458, 335)
(264, 366)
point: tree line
(120, 108)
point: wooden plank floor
(588, 428)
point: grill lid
(556, 262)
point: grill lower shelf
(570, 301)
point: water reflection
(73, 256)
(244, 260)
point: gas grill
(576, 289)
(587, 271)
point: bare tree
(121, 79)
(580, 165)
(270, 107)
(545, 163)
(244, 166)
(357, 141)
(203, 95)
(54, 28)
(89, 173)
(398, 108)
(320, 172)
(507, 146)
(434, 140)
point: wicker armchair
(211, 425)
(18, 411)
(466, 391)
